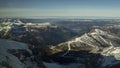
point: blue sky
(21, 8)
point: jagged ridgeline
(34, 33)
(98, 48)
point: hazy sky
(16, 8)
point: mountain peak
(17, 21)
(98, 31)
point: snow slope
(112, 56)
(8, 58)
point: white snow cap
(98, 31)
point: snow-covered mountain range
(96, 41)
(46, 45)
(35, 33)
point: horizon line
(89, 17)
